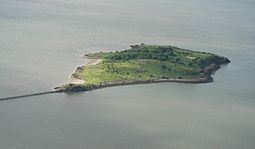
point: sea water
(42, 41)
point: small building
(137, 46)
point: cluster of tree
(157, 53)
(206, 61)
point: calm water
(41, 42)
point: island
(143, 64)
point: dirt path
(93, 62)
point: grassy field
(148, 62)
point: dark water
(43, 41)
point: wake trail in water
(27, 95)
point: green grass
(148, 62)
(108, 71)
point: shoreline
(74, 77)
(76, 84)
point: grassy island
(144, 64)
